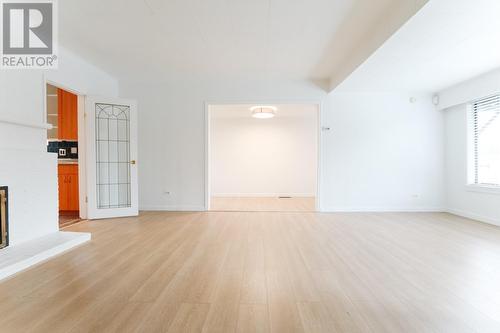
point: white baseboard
(262, 195)
(14, 259)
(168, 208)
(339, 209)
(474, 216)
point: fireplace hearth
(4, 216)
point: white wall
(464, 92)
(383, 153)
(25, 166)
(172, 131)
(263, 157)
(460, 199)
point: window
(485, 129)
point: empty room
(250, 166)
(263, 157)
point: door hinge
(86, 199)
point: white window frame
(471, 185)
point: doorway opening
(63, 139)
(262, 157)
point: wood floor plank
(222, 317)
(254, 289)
(253, 318)
(315, 317)
(283, 311)
(158, 317)
(190, 318)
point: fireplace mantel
(25, 123)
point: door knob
(132, 162)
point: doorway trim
(82, 155)
(317, 103)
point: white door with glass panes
(111, 131)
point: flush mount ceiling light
(263, 111)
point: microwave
(64, 149)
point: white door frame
(82, 156)
(316, 103)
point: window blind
(486, 140)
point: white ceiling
(447, 42)
(157, 39)
(284, 110)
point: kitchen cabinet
(67, 122)
(68, 187)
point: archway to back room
(263, 157)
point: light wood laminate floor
(265, 272)
(65, 220)
(263, 204)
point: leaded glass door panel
(111, 157)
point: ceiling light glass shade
(263, 112)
